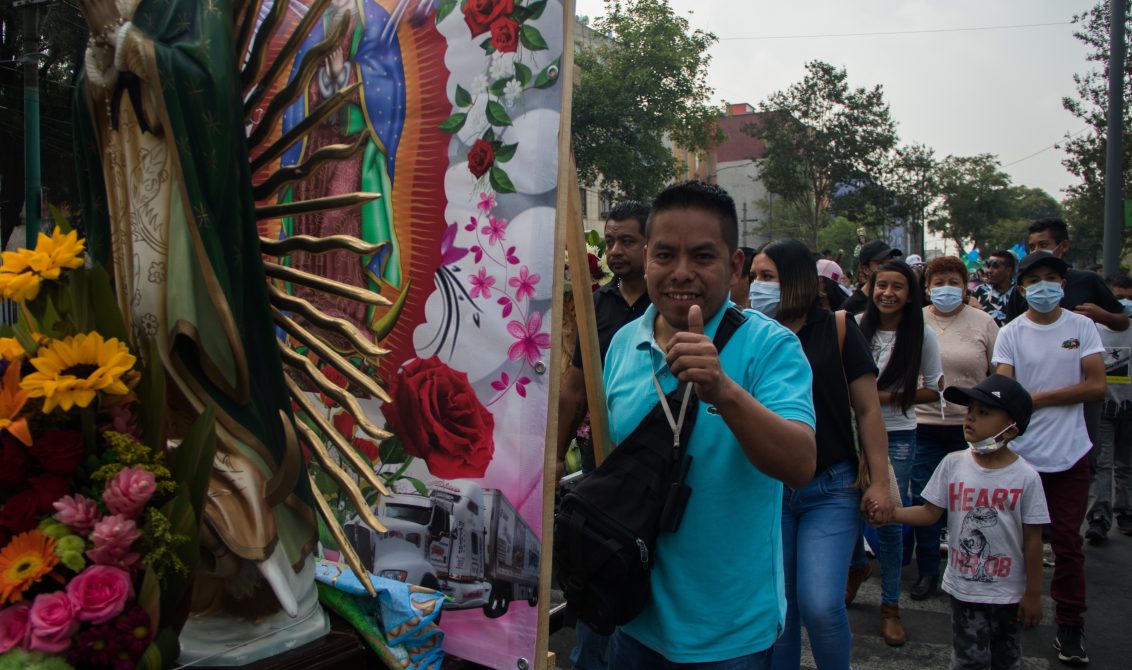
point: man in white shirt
(1057, 356)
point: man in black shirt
(615, 304)
(872, 255)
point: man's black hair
(1054, 226)
(630, 209)
(696, 194)
(1120, 281)
(1005, 255)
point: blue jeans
(890, 538)
(932, 444)
(626, 653)
(592, 650)
(820, 525)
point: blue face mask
(1127, 305)
(1044, 296)
(764, 297)
(947, 298)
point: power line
(899, 32)
(1045, 149)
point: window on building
(584, 195)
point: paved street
(1108, 637)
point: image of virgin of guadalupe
(363, 135)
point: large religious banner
(428, 131)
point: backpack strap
(841, 315)
(732, 319)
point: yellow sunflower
(10, 348)
(26, 559)
(73, 370)
(23, 271)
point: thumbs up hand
(693, 358)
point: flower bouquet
(98, 519)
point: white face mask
(990, 444)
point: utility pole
(32, 204)
(1114, 179)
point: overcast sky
(962, 93)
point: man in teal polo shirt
(717, 586)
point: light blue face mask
(1127, 305)
(1044, 296)
(765, 296)
(947, 298)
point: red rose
(345, 423)
(367, 448)
(48, 489)
(437, 416)
(595, 267)
(18, 514)
(60, 452)
(13, 456)
(480, 158)
(479, 14)
(505, 35)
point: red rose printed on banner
(505, 35)
(480, 14)
(438, 418)
(480, 158)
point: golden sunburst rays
(284, 302)
(282, 61)
(314, 205)
(320, 245)
(297, 132)
(339, 536)
(327, 355)
(347, 451)
(287, 175)
(344, 399)
(263, 37)
(358, 294)
(245, 14)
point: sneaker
(1070, 645)
(1124, 523)
(1097, 532)
(1047, 555)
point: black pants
(985, 636)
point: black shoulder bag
(605, 530)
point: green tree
(62, 40)
(974, 194)
(646, 85)
(1034, 203)
(821, 134)
(913, 179)
(1085, 153)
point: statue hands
(101, 16)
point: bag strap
(840, 315)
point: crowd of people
(993, 415)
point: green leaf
(418, 485)
(497, 87)
(453, 123)
(107, 317)
(489, 135)
(149, 597)
(463, 98)
(61, 221)
(496, 115)
(523, 74)
(50, 319)
(391, 451)
(520, 14)
(548, 76)
(193, 458)
(500, 181)
(79, 309)
(23, 335)
(505, 152)
(593, 238)
(152, 396)
(446, 7)
(487, 46)
(532, 38)
(535, 9)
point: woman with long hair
(966, 342)
(821, 521)
(907, 356)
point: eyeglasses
(995, 264)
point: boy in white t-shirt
(996, 508)
(1057, 356)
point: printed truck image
(461, 539)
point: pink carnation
(112, 537)
(76, 512)
(52, 622)
(99, 593)
(129, 491)
(14, 626)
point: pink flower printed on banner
(495, 230)
(449, 252)
(486, 203)
(481, 284)
(524, 284)
(530, 339)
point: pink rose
(14, 626)
(76, 512)
(129, 491)
(99, 593)
(112, 537)
(53, 623)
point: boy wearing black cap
(1057, 356)
(996, 508)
